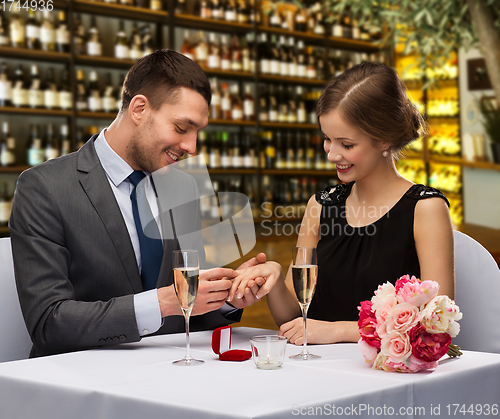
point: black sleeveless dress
(354, 261)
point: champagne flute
(186, 277)
(304, 274)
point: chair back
(477, 293)
(15, 342)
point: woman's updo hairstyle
(373, 98)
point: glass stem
(188, 346)
(304, 315)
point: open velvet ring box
(221, 344)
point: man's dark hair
(160, 75)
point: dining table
(139, 381)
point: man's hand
(213, 290)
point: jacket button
(109, 340)
(116, 339)
(102, 340)
(123, 338)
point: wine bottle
(292, 105)
(301, 105)
(215, 104)
(66, 146)
(248, 104)
(283, 53)
(217, 10)
(291, 158)
(135, 44)
(270, 149)
(236, 54)
(122, 50)
(5, 205)
(81, 92)
(274, 56)
(214, 158)
(62, 33)
(301, 60)
(236, 104)
(225, 155)
(264, 54)
(19, 88)
(65, 93)
(79, 43)
(272, 106)
(94, 46)
(7, 147)
(147, 41)
(225, 62)
(282, 104)
(52, 145)
(156, 5)
(50, 93)
(180, 7)
(246, 60)
(300, 21)
(205, 9)
(300, 151)
(32, 31)
(4, 31)
(292, 58)
(17, 31)
(214, 60)
(230, 11)
(280, 151)
(109, 96)
(274, 17)
(47, 32)
(242, 12)
(236, 151)
(36, 154)
(263, 104)
(94, 93)
(248, 152)
(35, 93)
(201, 50)
(311, 64)
(5, 86)
(226, 102)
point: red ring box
(221, 344)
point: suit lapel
(96, 185)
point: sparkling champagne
(304, 282)
(186, 286)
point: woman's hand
(319, 331)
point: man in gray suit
(76, 249)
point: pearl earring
(385, 153)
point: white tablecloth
(135, 381)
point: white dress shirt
(146, 304)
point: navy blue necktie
(150, 243)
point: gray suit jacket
(75, 266)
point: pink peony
(402, 318)
(396, 346)
(440, 315)
(369, 352)
(400, 283)
(367, 324)
(428, 347)
(386, 305)
(416, 364)
(416, 292)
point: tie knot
(136, 177)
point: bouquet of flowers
(408, 327)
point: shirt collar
(115, 167)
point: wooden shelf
(232, 171)
(99, 61)
(13, 169)
(30, 111)
(353, 44)
(299, 172)
(231, 122)
(96, 115)
(196, 22)
(33, 54)
(118, 11)
(446, 160)
(229, 74)
(288, 125)
(294, 80)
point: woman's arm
(433, 234)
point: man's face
(169, 132)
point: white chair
(15, 342)
(477, 293)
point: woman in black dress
(373, 228)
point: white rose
(383, 291)
(440, 316)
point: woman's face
(355, 154)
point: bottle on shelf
(17, 31)
(274, 16)
(226, 102)
(236, 104)
(66, 146)
(225, 54)
(214, 157)
(217, 10)
(203, 9)
(225, 153)
(81, 92)
(5, 86)
(36, 154)
(263, 104)
(246, 56)
(187, 47)
(155, 5)
(270, 150)
(94, 93)
(65, 94)
(282, 104)
(62, 33)
(291, 155)
(4, 31)
(135, 44)
(242, 12)
(141, 3)
(301, 105)
(274, 56)
(311, 64)
(32, 31)
(264, 54)
(94, 45)
(147, 41)
(236, 54)
(215, 104)
(248, 152)
(180, 7)
(280, 151)
(52, 145)
(230, 11)
(202, 145)
(79, 44)
(310, 152)
(7, 147)
(237, 152)
(126, 2)
(248, 104)
(35, 92)
(272, 105)
(19, 88)
(201, 50)
(47, 32)
(301, 60)
(214, 53)
(292, 58)
(109, 96)
(5, 205)
(50, 92)
(301, 150)
(122, 50)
